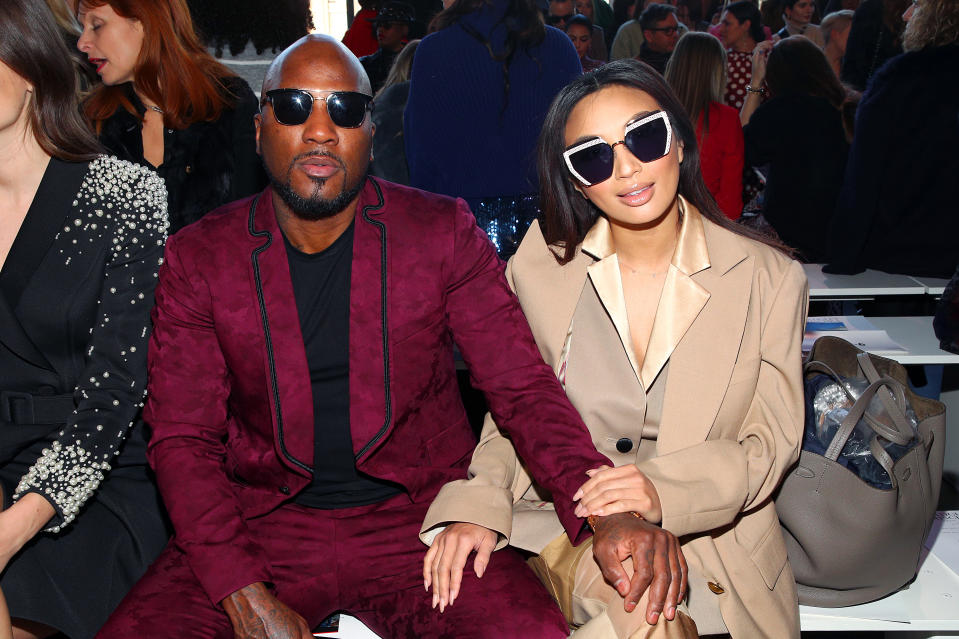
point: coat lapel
(290, 395)
(370, 367)
(702, 363)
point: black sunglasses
(666, 30)
(648, 139)
(292, 107)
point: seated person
(579, 31)
(303, 378)
(660, 34)
(835, 32)
(360, 38)
(392, 30)
(598, 48)
(677, 336)
(797, 20)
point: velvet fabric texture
(896, 212)
(365, 560)
(229, 400)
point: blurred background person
(897, 211)
(392, 25)
(797, 20)
(661, 31)
(598, 47)
(740, 29)
(81, 240)
(389, 150)
(875, 36)
(478, 94)
(167, 104)
(601, 15)
(360, 37)
(629, 35)
(64, 13)
(799, 133)
(697, 74)
(579, 30)
(835, 33)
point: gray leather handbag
(850, 542)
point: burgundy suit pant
(366, 561)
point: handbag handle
(893, 399)
(849, 423)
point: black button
(285, 490)
(624, 445)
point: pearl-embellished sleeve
(123, 206)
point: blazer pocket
(769, 555)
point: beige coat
(732, 415)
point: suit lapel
(370, 367)
(290, 395)
(702, 363)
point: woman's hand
(444, 561)
(20, 522)
(760, 55)
(618, 490)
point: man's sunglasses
(666, 30)
(648, 138)
(292, 107)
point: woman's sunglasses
(648, 138)
(292, 107)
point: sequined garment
(114, 239)
(505, 220)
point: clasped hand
(622, 489)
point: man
(304, 403)
(660, 34)
(559, 13)
(392, 25)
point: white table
(929, 606)
(915, 334)
(865, 285)
(933, 285)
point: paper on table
(943, 539)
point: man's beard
(315, 207)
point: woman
(389, 152)
(642, 294)
(874, 38)
(81, 239)
(740, 29)
(835, 29)
(697, 74)
(579, 29)
(896, 212)
(800, 134)
(481, 84)
(601, 16)
(166, 104)
(797, 19)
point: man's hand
(622, 489)
(256, 614)
(444, 561)
(658, 563)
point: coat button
(624, 445)
(285, 490)
(716, 588)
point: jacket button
(716, 588)
(624, 445)
(285, 490)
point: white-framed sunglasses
(648, 138)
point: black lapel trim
(266, 332)
(388, 404)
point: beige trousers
(593, 607)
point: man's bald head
(318, 51)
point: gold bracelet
(592, 520)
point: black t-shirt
(321, 286)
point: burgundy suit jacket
(230, 400)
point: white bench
(928, 609)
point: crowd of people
(231, 322)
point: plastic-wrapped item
(829, 407)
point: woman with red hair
(167, 104)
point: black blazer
(75, 297)
(205, 165)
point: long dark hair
(31, 45)
(746, 10)
(523, 22)
(796, 65)
(567, 214)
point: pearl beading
(125, 205)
